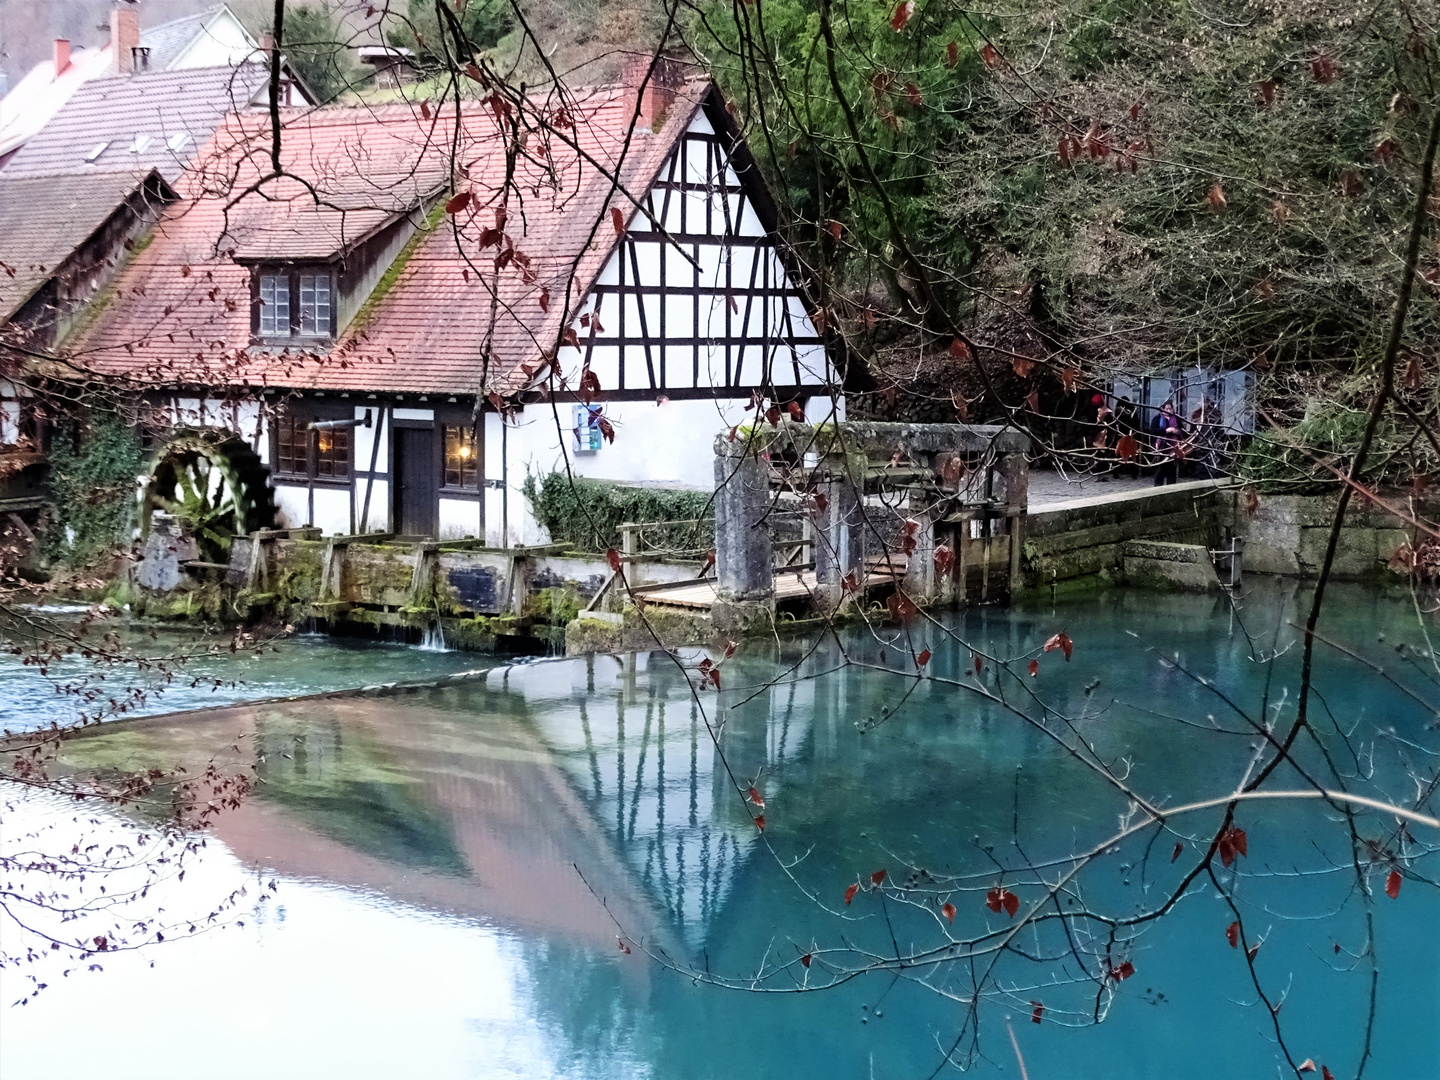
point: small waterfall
(427, 561)
(433, 640)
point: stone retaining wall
(1080, 537)
(1287, 534)
(1281, 534)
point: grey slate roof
(43, 219)
(168, 40)
(142, 120)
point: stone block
(657, 630)
(165, 549)
(732, 615)
(1166, 565)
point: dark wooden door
(417, 482)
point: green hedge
(588, 513)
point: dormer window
(315, 304)
(293, 302)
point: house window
(302, 453)
(332, 454)
(462, 457)
(315, 305)
(292, 447)
(274, 305)
(294, 303)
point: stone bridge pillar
(839, 543)
(744, 555)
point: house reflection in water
(492, 798)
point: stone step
(1167, 565)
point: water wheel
(213, 485)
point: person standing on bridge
(1166, 428)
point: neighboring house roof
(380, 54)
(40, 95)
(214, 38)
(169, 41)
(135, 123)
(43, 222)
(452, 321)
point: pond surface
(211, 675)
(440, 861)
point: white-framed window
(315, 305)
(587, 429)
(274, 305)
(294, 302)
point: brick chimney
(62, 56)
(124, 38)
(656, 94)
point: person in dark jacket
(1166, 429)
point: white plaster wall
(223, 42)
(217, 414)
(824, 409)
(508, 518)
(367, 441)
(252, 427)
(493, 498)
(245, 418)
(670, 444)
(459, 518)
(377, 518)
(332, 510)
(774, 317)
(10, 396)
(185, 411)
(9, 422)
(493, 448)
(294, 505)
(374, 439)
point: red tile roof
(452, 322)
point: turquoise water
(441, 860)
(210, 675)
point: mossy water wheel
(213, 485)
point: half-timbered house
(433, 306)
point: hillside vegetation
(1099, 185)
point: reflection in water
(456, 866)
(347, 788)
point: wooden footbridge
(791, 586)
